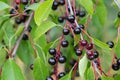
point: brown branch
(14, 50)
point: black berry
(77, 30)
(96, 54)
(55, 5)
(49, 78)
(52, 61)
(82, 13)
(71, 18)
(60, 19)
(52, 51)
(65, 43)
(18, 20)
(12, 11)
(62, 59)
(66, 31)
(111, 44)
(60, 75)
(115, 67)
(31, 66)
(78, 52)
(25, 2)
(118, 14)
(89, 46)
(83, 42)
(25, 37)
(62, 2)
(118, 61)
(99, 78)
(72, 62)
(81, 26)
(29, 28)
(77, 13)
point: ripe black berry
(99, 78)
(31, 66)
(16, 7)
(25, 2)
(18, 20)
(78, 52)
(115, 67)
(118, 61)
(12, 11)
(118, 14)
(25, 37)
(49, 78)
(66, 31)
(62, 59)
(83, 42)
(60, 19)
(62, 2)
(55, 5)
(71, 18)
(65, 43)
(89, 46)
(96, 54)
(77, 30)
(72, 62)
(77, 13)
(81, 26)
(82, 13)
(111, 44)
(52, 61)
(52, 51)
(29, 28)
(60, 75)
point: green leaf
(67, 77)
(106, 63)
(83, 66)
(25, 52)
(19, 30)
(88, 5)
(3, 54)
(117, 77)
(44, 27)
(43, 11)
(118, 48)
(11, 71)
(100, 11)
(33, 6)
(3, 5)
(100, 44)
(117, 22)
(40, 70)
(90, 74)
(106, 78)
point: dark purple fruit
(52, 51)
(60, 75)
(110, 43)
(83, 42)
(115, 67)
(25, 2)
(71, 18)
(52, 61)
(89, 46)
(62, 59)
(64, 43)
(82, 13)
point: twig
(116, 2)
(14, 50)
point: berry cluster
(20, 15)
(71, 27)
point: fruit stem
(14, 50)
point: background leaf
(44, 27)
(88, 5)
(100, 11)
(3, 5)
(11, 71)
(40, 70)
(42, 11)
(83, 66)
(118, 48)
